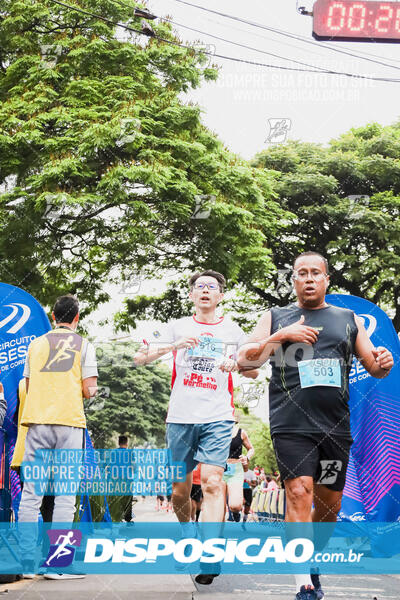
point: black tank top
(317, 409)
(235, 449)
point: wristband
(1, 395)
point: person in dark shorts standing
(310, 345)
(249, 483)
(233, 476)
(126, 501)
(196, 494)
(160, 501)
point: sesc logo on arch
(13, 343)
(16, 318)
(370, 323)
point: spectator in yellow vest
(60, 369)
(47, 506)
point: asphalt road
(183, 587)
(281, 587)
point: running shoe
(317, 585)
(64, 576)
(28, 569)
(205, 578)
(306, 593)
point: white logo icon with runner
(330, 470)
(16, 307)
(62, 550)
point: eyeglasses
(304, 275)
(210, 286)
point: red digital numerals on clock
(356, 20)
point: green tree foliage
(343, 201)
(359, 236)
(259, 436)
(132, 401)
(104, 167)
(264, 454)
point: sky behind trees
(320, 107)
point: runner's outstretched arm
(89, 387)
(250, 374)
(255, 352)
(377, 361)
(229, 365)
(249, 447)
(261, 344)
(148, 353)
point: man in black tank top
(310, 345)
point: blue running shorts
(195, 443)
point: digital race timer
(357, 21)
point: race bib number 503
(320, 372)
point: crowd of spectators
(266, 481)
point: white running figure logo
(62, 550)
(62, 347)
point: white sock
(303, 579)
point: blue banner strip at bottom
(348, 548)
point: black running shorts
(247, 496)
(320, 456)
(195, 493)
